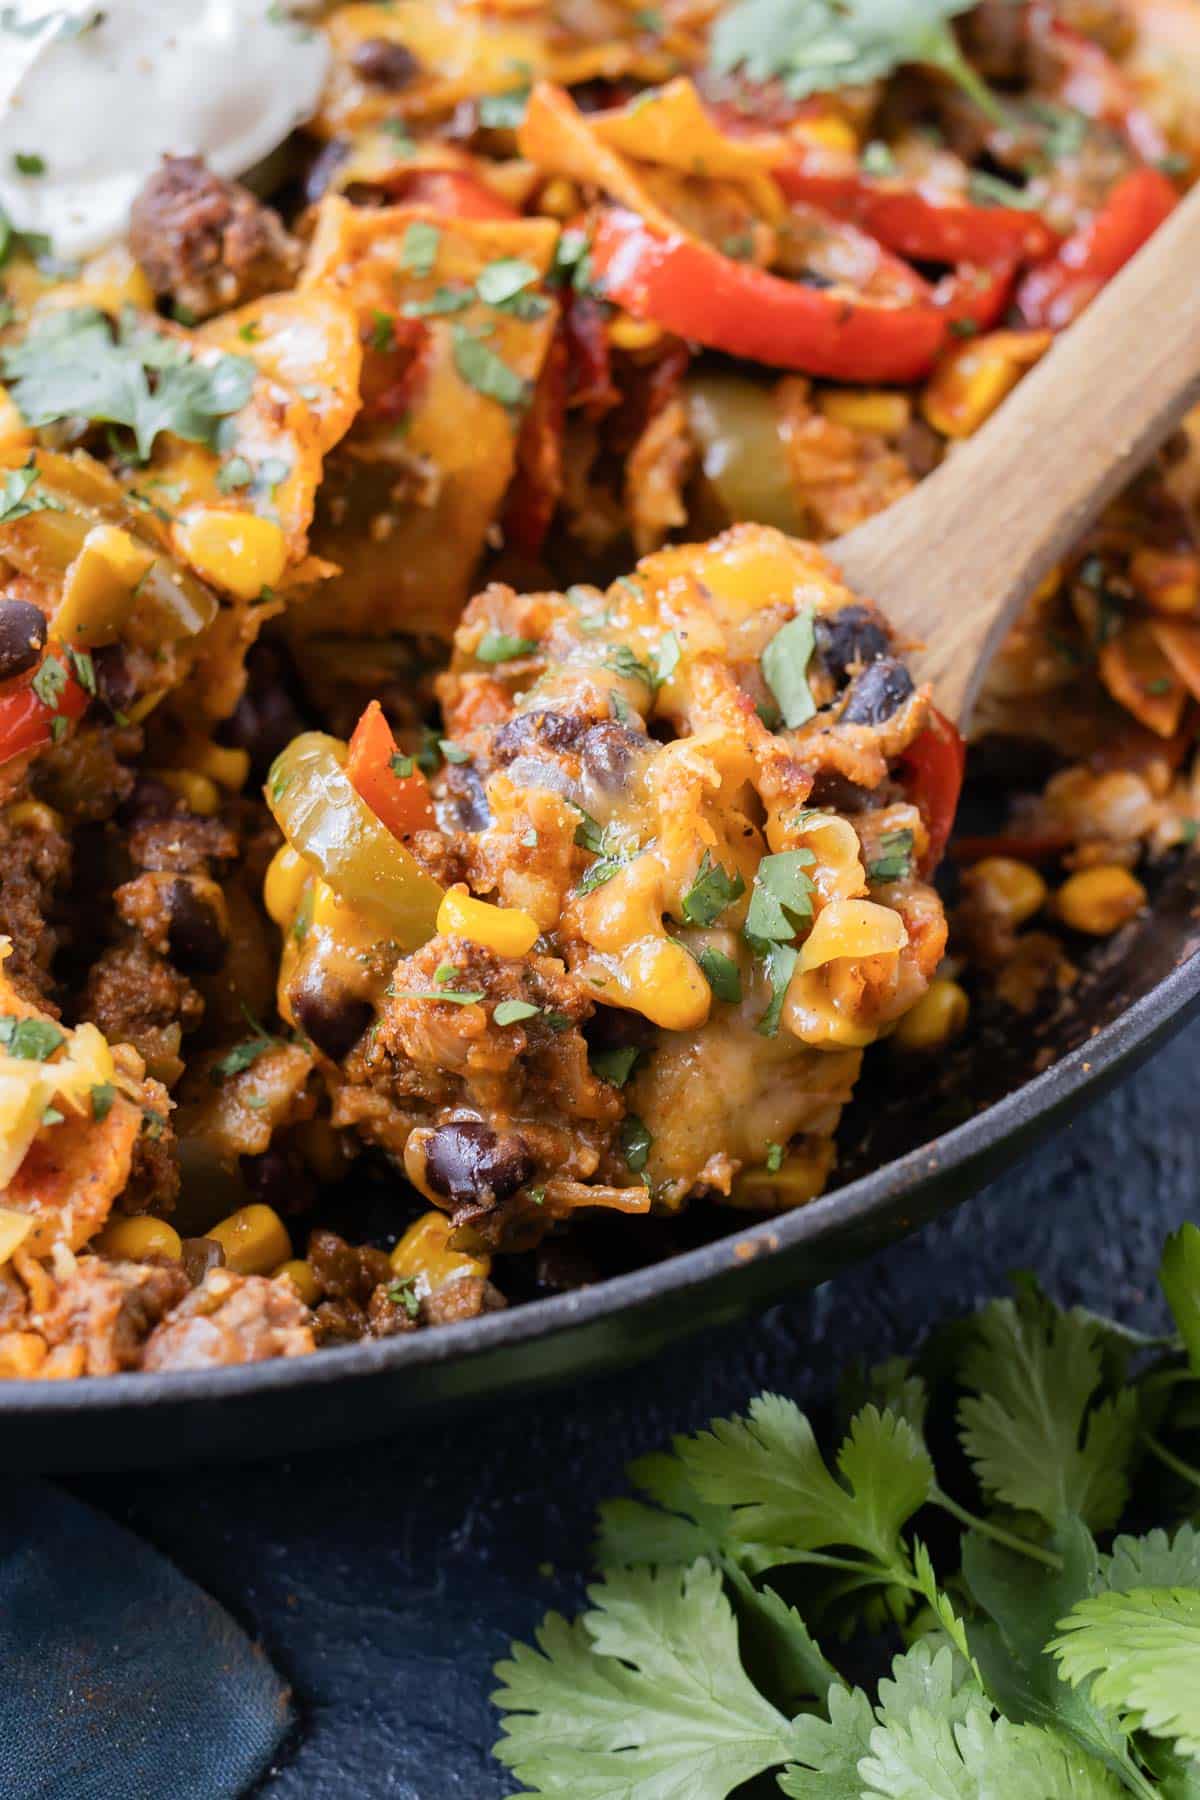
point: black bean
(462, 786)
(385, 63)
(195, 935)
(22, 636)
(150, 799)
(115, 682)
(468, 1161)
(846, 638)
(279, 1179)
(547, 730)
(607, 751)
(333, 1020)
(877, 693)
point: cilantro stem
(1165, 1378)
(997, 1533)
(887, 1574)
(1175, 1463)
(944, 54)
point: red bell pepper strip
(933, 768)
(949, 231)
(26, 722)
(538, 481)
(1056, 292)
(401, 802)
(699, 294)
(975, 299)
(453, 192)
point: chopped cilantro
(486, 372)
(615, 1065)
(635, 1142)
(49, 682)
(502, 646)
(102, 1097)
(25, 162)
(774, 1160)
(453, 753)
(511, 1012)
(785, 668)
(383, 330)
(71, 365)
(624, 662)
(504, 279)
(16, 498)
(990, 190)
(589, 833)
(712, 890)
(894, 862)
(84, 669)
(52, 1116)
(444, 299)
(240, 1058)
(781, 898)
(233, 474)
(32, 1040)
(419, 247)
(401, 766)
(456, 996)
(780, 962)
(722, 975)
(503, 112)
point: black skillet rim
(869, 1201)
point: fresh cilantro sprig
(815, 46)
(1039, 1664)
(73, 365)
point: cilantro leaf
(1153, 1561)
(976, 1759)
(894, 862)
(32, 1040)
(70, 365)
(1033, 1430)
(1179, 1274)
(482, 369)
(1143, 1648)
(780, 964)
(511, 1012)
(815, 46)
(780, 900)
(503, 646)
(614, 1065)
(16, 499)
(722, 975)
(636, 1142)
(785, 668)
(713, 889)
(419, 247)
(240, 1058)
(502, 280)
(767, 1466)
(644, 1698)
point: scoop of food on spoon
(953, 563)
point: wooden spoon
(954, 561)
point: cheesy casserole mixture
(453, 815)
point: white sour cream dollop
(93, 94)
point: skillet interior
(922, 1140)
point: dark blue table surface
(385, 1581)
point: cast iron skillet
(973, 1117)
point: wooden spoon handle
(953, 562)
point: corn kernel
(422, 1256)
(559, 198)
(1100, 900)
(827, 133)
(134, 1240)
(971, 380)
(939, 1015)
(799, 1179)
(283, 885)
(254, 1240)
(201, 795)
(868, 409)
(236, 551)
(15, 434)
(302, 1278)
(627, 333)
(229, 768)
(1168, 581)
(1011, 889)
(505, 929)
(15, 1227)
(665, 984)
(36, 814)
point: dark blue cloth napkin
(119, 1679)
